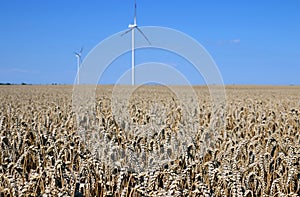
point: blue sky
(252, 42)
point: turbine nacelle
(131, 26)
(77, 55)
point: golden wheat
(46, 152)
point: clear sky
(252, 42)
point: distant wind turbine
(78, 56)
(132, 27)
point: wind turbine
(132, 27)
(78, 56)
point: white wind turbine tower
(78, 56)
(132, 27)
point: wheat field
(255, 153)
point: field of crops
(45, 151)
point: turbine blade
(143, 35)
(134, 19)
(81, 50)
(129, 30)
